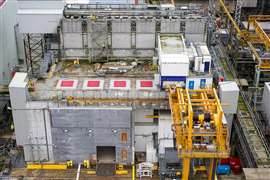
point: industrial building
(137, 89)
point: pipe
(45, 131)
(133, 171)
(78, 172)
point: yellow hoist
(199, 129)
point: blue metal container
(223, 170)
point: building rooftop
(86, 82)
(172, 44)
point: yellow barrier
(47, 166)
(121, 172)
(91, 172)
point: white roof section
(41, 16)
(228, 86)
(203, 50)
(19, 80)
(39, 11)
(171, 44)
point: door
(206, 66)
(191, 84)
(106, 158)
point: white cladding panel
(195, 37)
(145, 40)
(40, 135)
(41, 4)
(196, 26)
(228, 94)
(8, 53)
(174, 65)
(144, 136)
(170, 26)
(165, 133)
(39, 21)
(18, 99)
(72, 40)
(121, 36)
(145, 33)
(42, 16)
(120, 40)
(266, 102)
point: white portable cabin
(173, 57)
(203, 60)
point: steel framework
(197, 120)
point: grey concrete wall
(76, 132)
(121, 38)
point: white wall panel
(39, 21)
(195, 26)
(72, 40)
(170, 26)
(195, 37)
(8, 53)
(145, 40)
(121, 40)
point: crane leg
(186, 167)
(211, 172)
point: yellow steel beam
(151, 116)
(252, 18)
(186, 167)
(47, 166)
(211, 172)
(204, 154)
(228, 14)
(121, 172)
(251, 38)
(181, 102)
(262, 34)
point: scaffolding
(199, 127)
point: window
(124, 137)
(203, 83)
(124, 154)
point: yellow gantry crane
(249, 37)
(199, 128)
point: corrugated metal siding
(8, 51)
